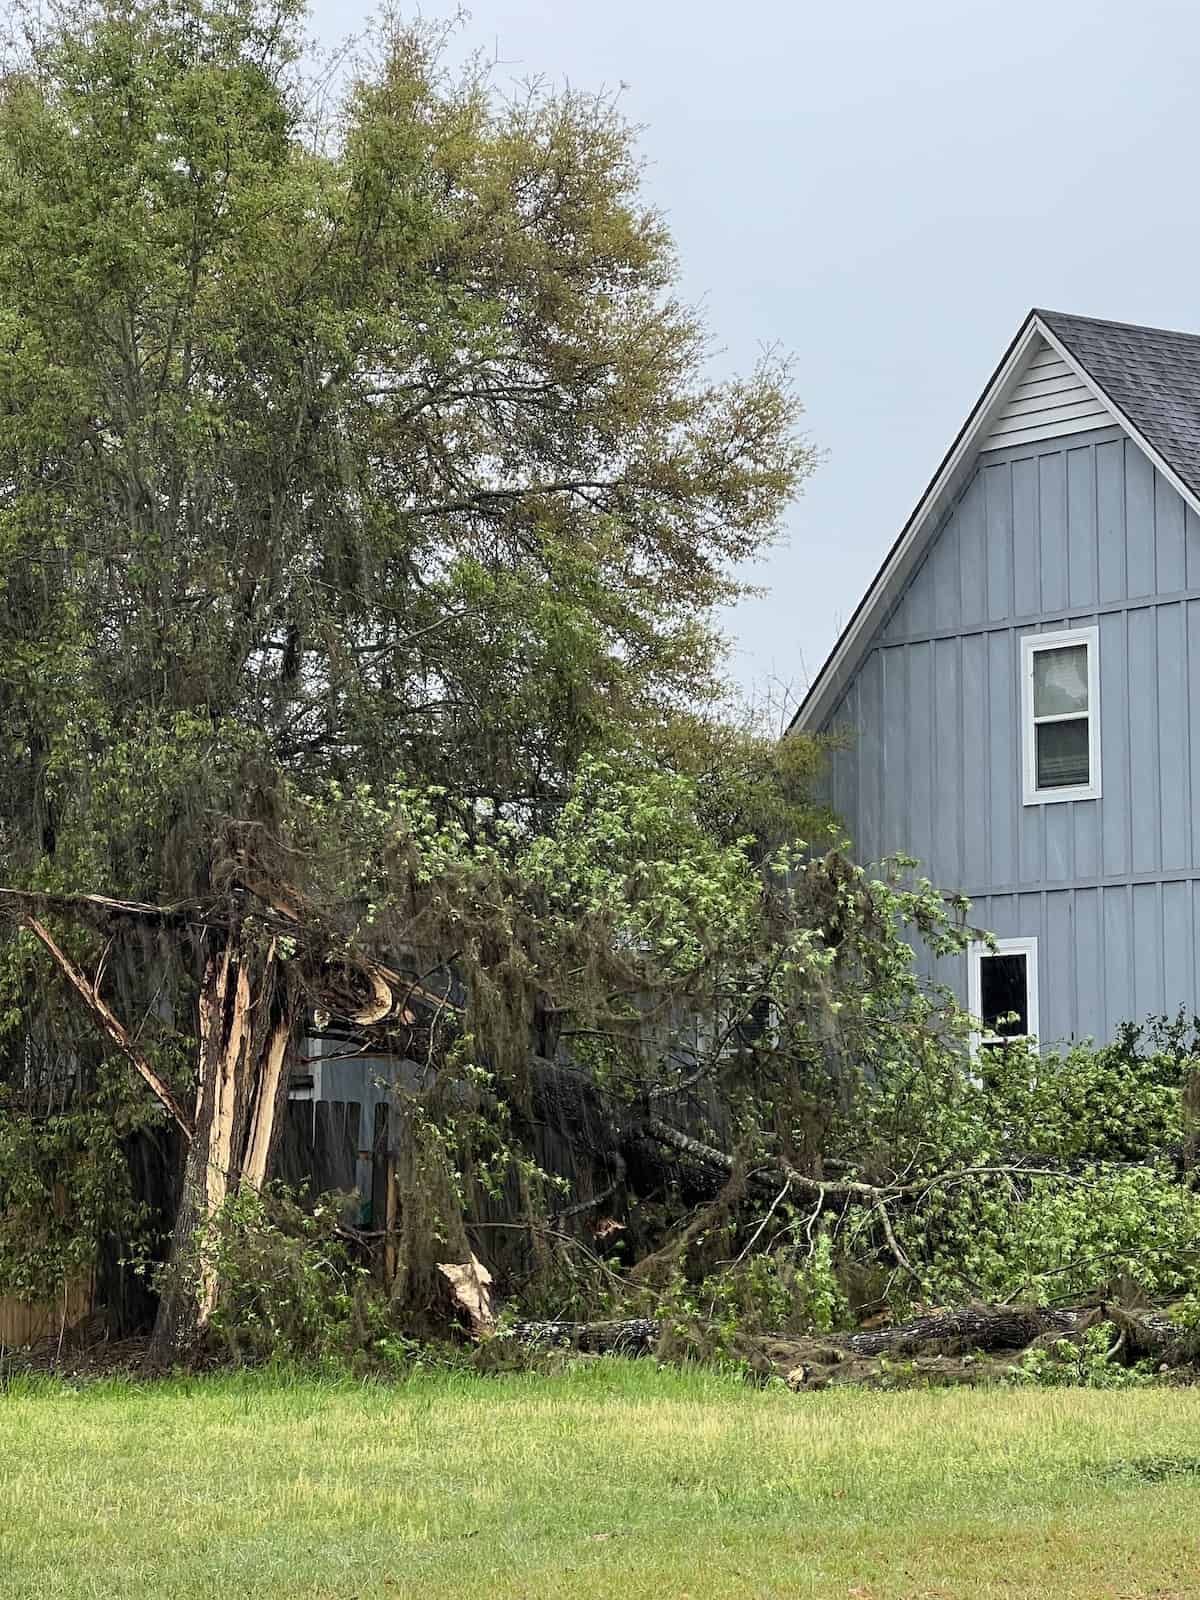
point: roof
(1148, 380)
(1151, 375)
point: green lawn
(618, 1480)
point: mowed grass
(618, 1480)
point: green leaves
(365, 502)
(391, 447)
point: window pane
(1062, 753)
(1002, 988)
(1060, 681)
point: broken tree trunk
(946, 1333)
(635, 1336)
(247, 1017)
(957, 1332)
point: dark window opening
(1004, 995)
(756, 1023)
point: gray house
(1020, 685)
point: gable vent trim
(1049, 400)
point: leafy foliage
(1088, 1363)
(1079, 1191)
(64, 1185)
(291, 1285)
(346, 446)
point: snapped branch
(99, 1011)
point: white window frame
(1032, 645)
(977, 951)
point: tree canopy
(353, 439)
(332, 449)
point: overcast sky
(884, 190)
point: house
(1020, 686)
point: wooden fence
(25, 1322)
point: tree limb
(110, 1025)
(98, 902)
(872, 1194)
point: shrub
(291, 1284)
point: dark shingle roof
(1152, 375)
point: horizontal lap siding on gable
(1077, 532)
(1050, 401)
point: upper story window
(1060, 715)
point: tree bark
(247, 1018)
(634, 1336)
(956, 1332)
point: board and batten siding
(1063, 533)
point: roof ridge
(1109, 322)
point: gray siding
(1061, 533)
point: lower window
(1002, 991)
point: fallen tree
(960, 1336)
(973, 1328)
(366, 502)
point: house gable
(1067, 533)
(1079, 530)
(1037, 371)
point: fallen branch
(955, 1332)
(634, 1337)
(386, 992)
(36, 899)
(109, 1024)
(973, 1328)
(836, 1191)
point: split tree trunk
(247, 1020)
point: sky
(884, 191)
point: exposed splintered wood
(224, 1046)
(272, 1090)
(471, 1287)
(246, 1022)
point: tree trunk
(633, 1336)
(956, 1332)
(247, 1019)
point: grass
(614, 1481)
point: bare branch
(110, 1025)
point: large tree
(348, 436)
